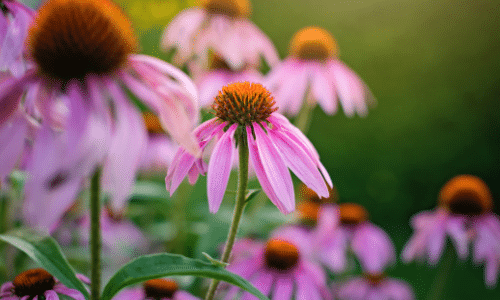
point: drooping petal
(219, 169)
(127, 145)
(12, 141)
(283, 289)
(11, 90)
(274, 169)
(51, 295)
(323, 91)
(263, 283)
(306, 289)
(455, 227)
(373, 248)
(299, 162)
(75, 294)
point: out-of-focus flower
(374, 286)
(121, 239)
(222, 27)
(218, 75)
(313, 72)
(347, 228)
(465, 215)
(282, 268)
(37, 283)
(247, 111)
(15, 19)
(84, 66)
(160, 149)
(158, 289)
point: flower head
(161, 289)
(464, 214)
(221, 27)
(374, 286)
(281, 267)
(345, 228)
(274, 146)
(83, 54)
(15, 19)
(36, 283)
(313, 72)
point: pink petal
(51, 295)
(373, 248)
(12, 141)
(11, 90)
(306, 289)
(458, 234)
(263, 283)
(283, 289)
(75, 294)
(275, 170)
(323, 91)
(127, 146)
(299, 162)
(219, 169)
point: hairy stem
(238, 208)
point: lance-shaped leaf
(165, 264)
(45, 251)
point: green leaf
(251, 194)
(45, 251)
(165, 264)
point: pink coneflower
(218, 75)
(15, 19)
(160, 149)
(221, 26)
(158, 289)
(245, 113)
(37, 283)
(281, 268)
(84, 59)
(347, 228)
(374, 287)
(465, 215)
(312, 72)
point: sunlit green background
(434, 67)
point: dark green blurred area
(434, 67)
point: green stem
(303, 119)
(95, 236)
(444, 271)
(238, 208)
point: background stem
(95, 235)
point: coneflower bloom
(465, 215)
(158, 289)
(245, 113)
(374, 286)
(222, 27)
(218, 75)
(15, 19)
(83, 54)
(37, 283)
(160, 149)
(313, 72)
(347, 228)
(281, 268)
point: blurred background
(434, 68)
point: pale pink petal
(323, 91)
(127, 145)
(258, 43)
(219, 169)
(11, 90)
(12, 142)
(397, 289)
(263, 283)
(75, 294)
(373, 248)
(455, 227)
(306, 289)
(291, 96)
(130, 294)
(299, 162)
(436, 242)
(275, 169)
(283, 289)
(334, 253)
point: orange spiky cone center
(313, 43)
(466, 195)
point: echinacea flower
(158, 289)
(37, 283)
(465, 215)
(313, 73)
(373, 287)
(218, 75)
(222, 27)
(347, 228)
(281, 268)
(245, 117)
(83, 55)
(15, 19)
